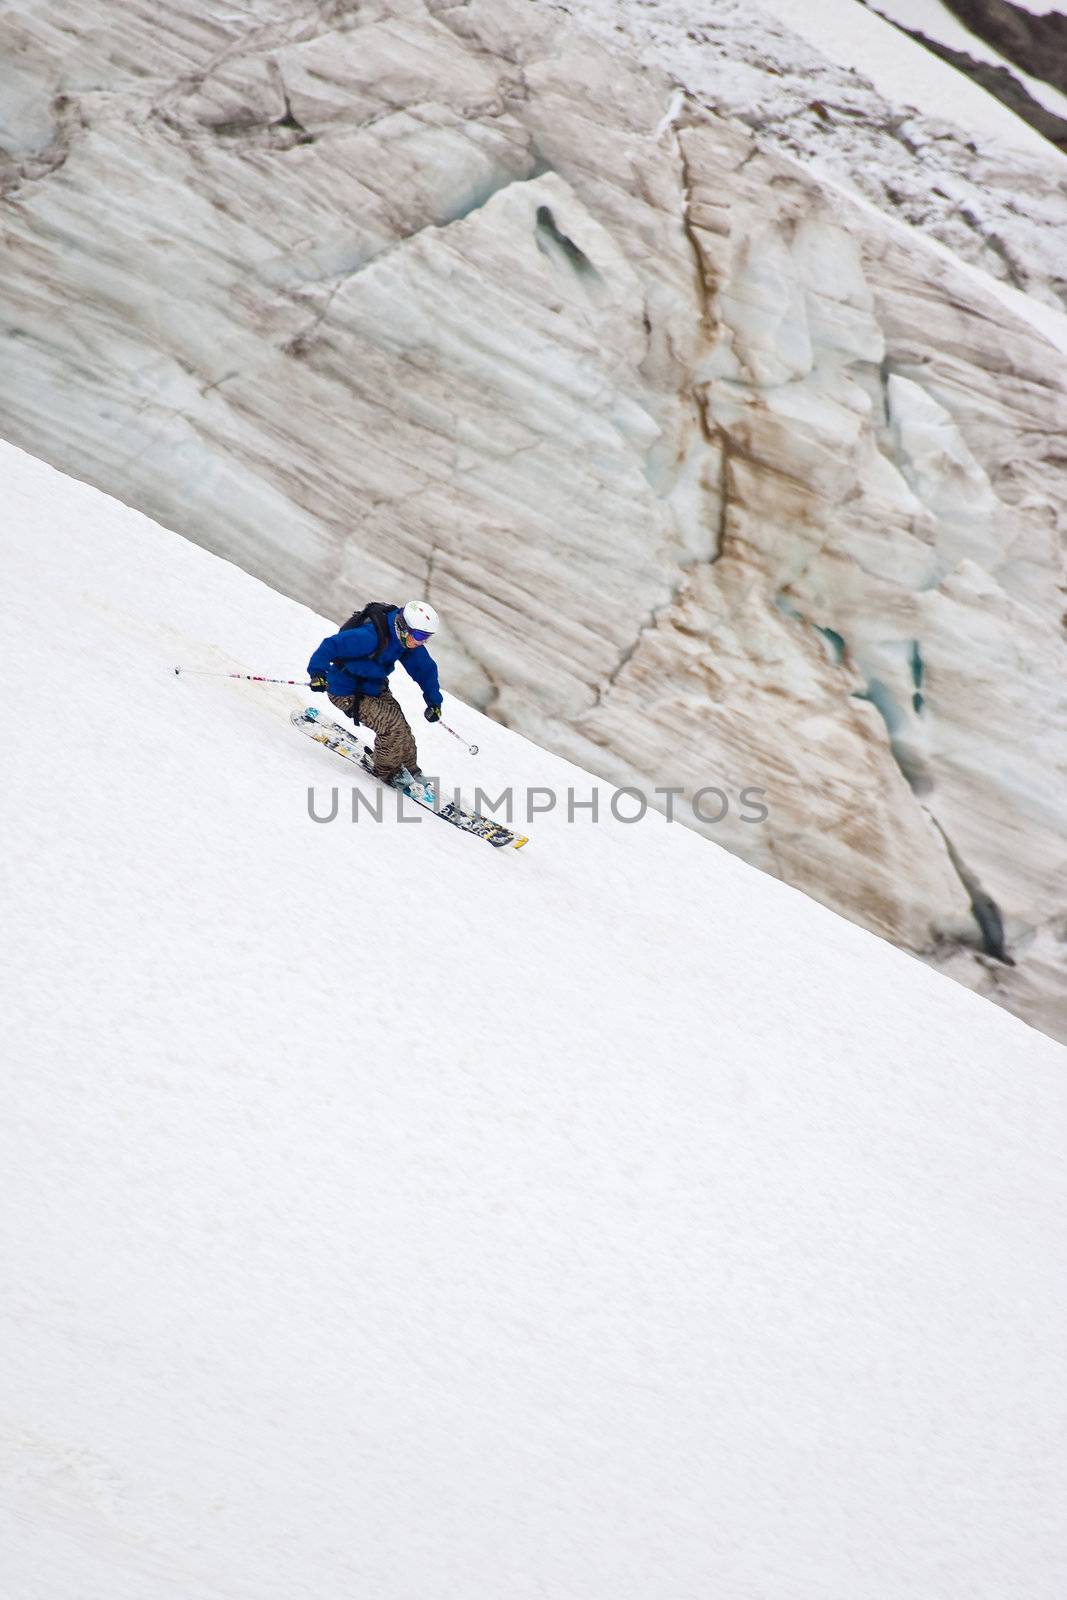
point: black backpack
(377, 613)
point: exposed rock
(719, 479)
(1034, 41)
(998, 80)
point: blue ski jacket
(347, 660)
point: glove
(432, 713)
(318, 684)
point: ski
(346, 743)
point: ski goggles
(417, 633)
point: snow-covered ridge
(385, 1215)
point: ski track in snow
(390, 1216)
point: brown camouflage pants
(394, 742)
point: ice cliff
(719, 475)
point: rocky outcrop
(996, 80)
(1035, 41)
(720, 479)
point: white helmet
(419, 619)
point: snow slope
(389, 1216)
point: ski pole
(472, 749)
(249, 677)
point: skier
(352, 668)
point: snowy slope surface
(387, 1216)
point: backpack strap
(376, 612)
